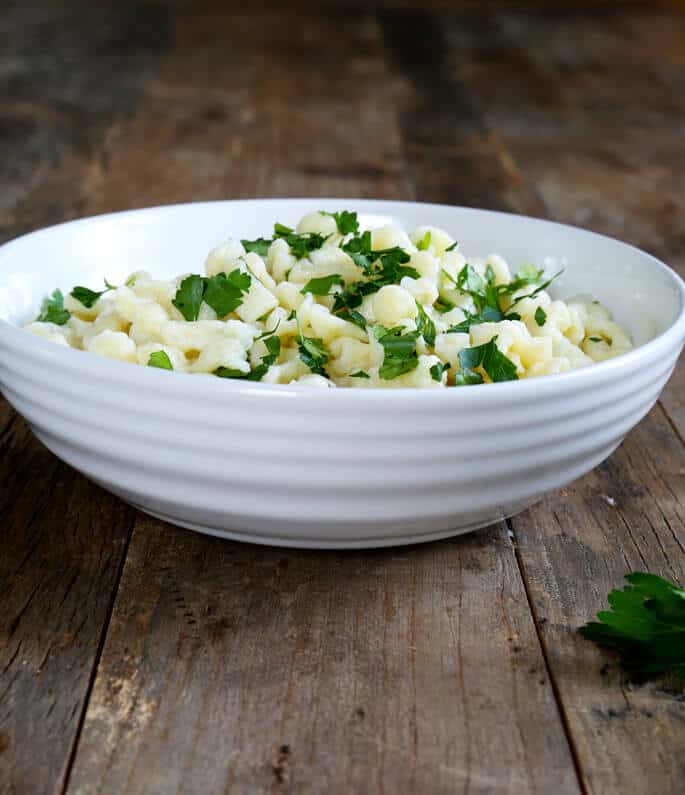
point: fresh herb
(595, 339)
(322, 285)
(537, 290)
(347, 222)
(451, 247)
(352, 316)
(300, 245)
(360, 374)
(646, 625)
(292, 315)
(437, 371)
(488, 315)
(160, 359)
(90, 297)
(468, 378)
(224, 293)
(273, 346)
(52, 310)
(399, 351)
(424, 243)
(313, 352)
(540, 316)
(490, 359)
(443, 305)
(425, 326)
(525, 276)
(189, 296)
(259, 246)
(130, 281)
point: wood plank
(242, 669)
(234, 668)
(63, 546)
(561, 115)
(70, 72)
(627, 515)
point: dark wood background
(139, 658)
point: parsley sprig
(312, 352)
(346, 221)
(645, 625)
(223, 292)
(300, 244)
(52, 309)
(399, 351)
(490, 359)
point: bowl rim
(70, 359)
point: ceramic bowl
(296, 466)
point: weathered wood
(240, 669)
(629, 514)
(63, 543)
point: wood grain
(63, 546)
(231, 668)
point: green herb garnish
(322, 285)
(313, 352)
(224, 293)
(346, 221)
(399, 351)
(259, 246)
(273, 345)
(425, 326)
(540, 316)
(595, 339)
(52, 310)
(489, 358)
(425, 242)
(189, 296)
(437, 371)
(160, 359)
(645, 625)
(90, 297)
(360, 374)
(451, 247)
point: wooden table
(139, 658)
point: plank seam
(96, 661)
(575, 755)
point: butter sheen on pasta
(131, 322)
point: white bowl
(297, 466)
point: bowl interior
(643, 296)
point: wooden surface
(139, 658)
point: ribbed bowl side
(251, 459)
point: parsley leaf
(646, 625)
(595, 339)
(353, 316)
(346, 221)
(300, 245)
(451, 247)
(360, 374)
(399, 351)
(52, 310)
(488, 357)
(273, 345)
(425, 241)
(224, 293)
(425, 326)
(437, 371)
(322, 285)
(488, 315)
(160, 359)
(90, 297)
(468, 378)
(540, 316)
(189, 296)
(525, 276)
(313, 352)
(537, 290)
(259, 246)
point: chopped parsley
(352, 316)
(595, 339)
(347, 222)
(399, 351)
(52, 310)
(189, 296)
(160, 359)
(322, 285)
(451, 247)
(490, 359)
(224, 293)
(645, 625)
(90, 297)
(425, 326)
(273, 346)
(259, 246)
(292, 315)
(313, 352)
(540, 316)
(437, 371)
(425, 242)
(360, 374)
